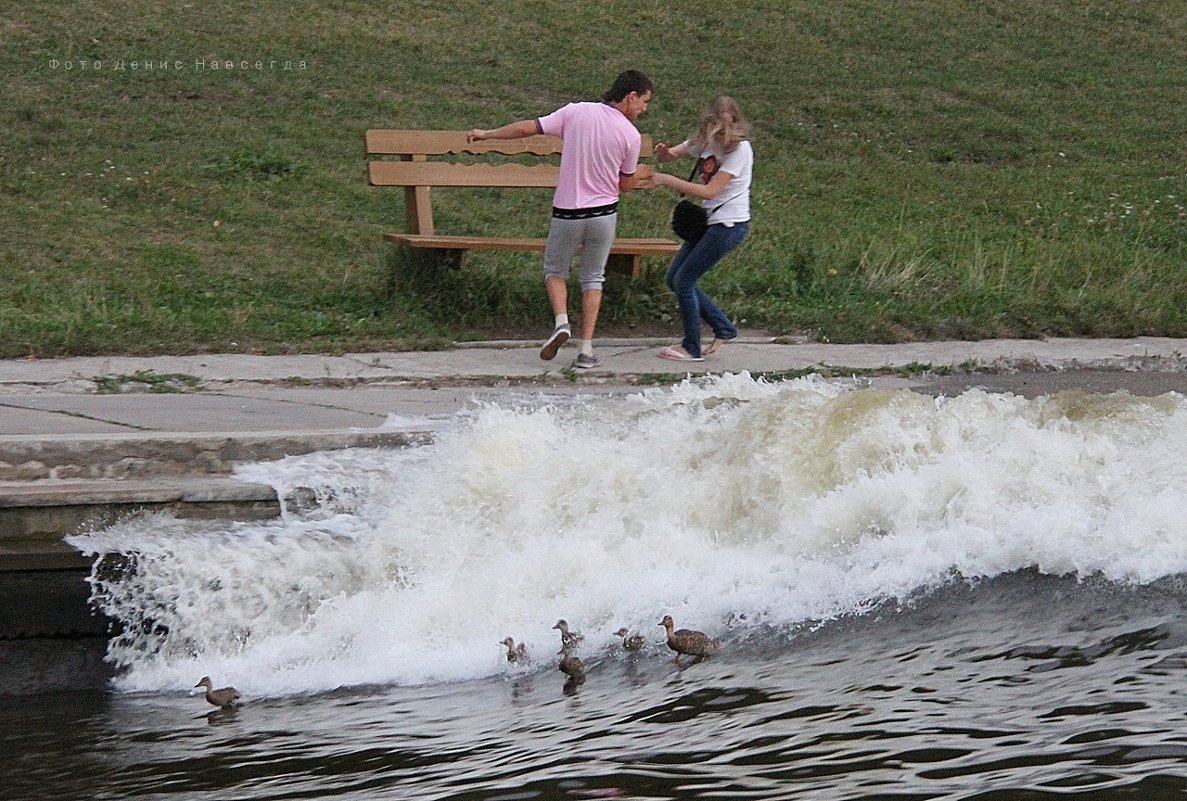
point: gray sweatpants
(591, 237)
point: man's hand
(645, 177)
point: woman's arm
(704, 191)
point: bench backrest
(416, 172)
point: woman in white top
(727, 160)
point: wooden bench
(417, 173)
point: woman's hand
(654, 178)
(663, 152)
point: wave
(733, 504)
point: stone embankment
(54, 487)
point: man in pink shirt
(599, 161)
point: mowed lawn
(180, 177)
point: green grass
(161, 383)
(923, 169)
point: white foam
(401, 422)
(728, 504)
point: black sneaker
(559, 337)
(584, 361)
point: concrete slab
(54, 456)
(19, 416)
(201, 412)
(48, 511)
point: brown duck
(571, 665)
(223, 696)
(631, 642)
(516, 654)
(688, 642)
(569, 639)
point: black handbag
(689, 219)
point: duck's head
(510, 643)
(205, 682)
(562, 624)
(667, 622)
(622, 632)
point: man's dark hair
(627, 82)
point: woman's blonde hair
(722, 125)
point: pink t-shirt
(600, 143)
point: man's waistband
(585, 214)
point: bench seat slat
(439, 173)
(640, 246)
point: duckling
(515, 653)
(631, 642)
(570, 665)
(569, 639)
(687, 641)
(223, 696)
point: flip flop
(678, 355)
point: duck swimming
(688, 642)
(223, 696)
(515, 653)
(569, 639)
(571, 665)
(631, 642)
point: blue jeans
(692, 261)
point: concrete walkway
(245, 393)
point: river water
(969, 597)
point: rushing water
(970, 597)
